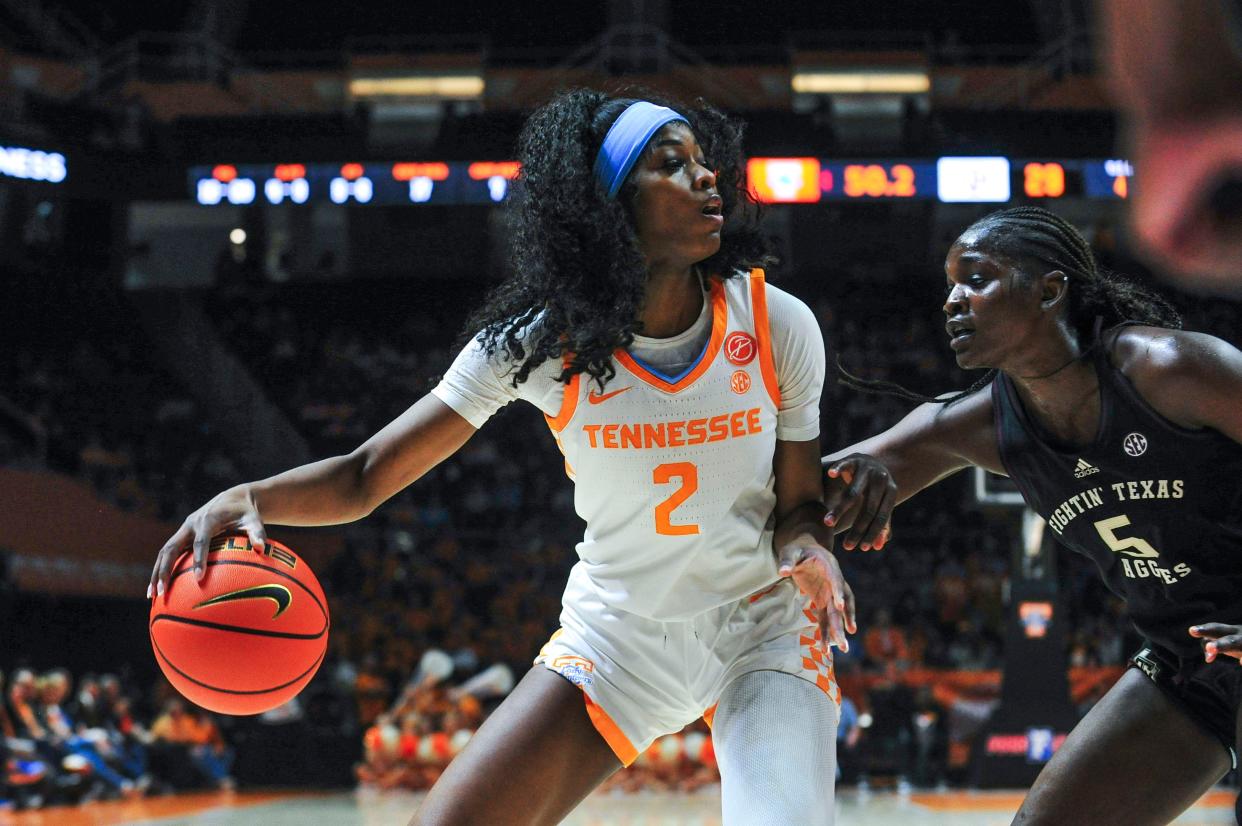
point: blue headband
(625, 142)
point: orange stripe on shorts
(611, 732)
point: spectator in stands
(44, 753)
(22, 687)
(210, 749)
(930, 731)
(7, 729)
(64, 735)
(889, 738)
(885, 643)
(193, 735)
(87, 708)
(371, 689)
(379, 744)
(24, 779)
(925, 645)
(105, 713)
(951, 591)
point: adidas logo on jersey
(1084, 469)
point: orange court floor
(369, 808)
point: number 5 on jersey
(663, 475)
(1129, 545)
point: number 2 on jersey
(689, 476)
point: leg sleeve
(775, 737)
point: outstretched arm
(865, 481)
(427, 433)
(327, 492)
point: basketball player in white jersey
(684, 392)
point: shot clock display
(1045, 179)
(795, 180)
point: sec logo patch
(740, 348)
(740, 381)
(1135, 444)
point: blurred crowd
(92, 399)
(470, 562)
(61, 745)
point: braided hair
(1041, 241)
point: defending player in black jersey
(1123, 432)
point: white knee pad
(775, 737)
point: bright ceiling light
(860, 82)
(455, 87)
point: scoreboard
(974, 179)
(402, 182)
(801, 180)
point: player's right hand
(233, 510)
(859, 497)
(816, 572)
(1219, 640)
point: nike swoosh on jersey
(599, 398)
(278, 594)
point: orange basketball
(249, 636)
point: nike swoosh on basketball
(278, 594)
(599, 398)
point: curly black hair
(1042, 241)
(576, 265)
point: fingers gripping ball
(249, 636)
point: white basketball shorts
(643, 678)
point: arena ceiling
(749, 28)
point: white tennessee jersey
(674, 475)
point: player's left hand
(817, 574)
(1218, 638)
(859, 497)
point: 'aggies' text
(676, 433)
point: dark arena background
(239, 236)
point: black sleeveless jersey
(1157, 507)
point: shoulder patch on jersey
(740, 348)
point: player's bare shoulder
(1139, 350)
(1159, 351)
(1175, 371)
